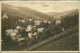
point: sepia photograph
(40, 26)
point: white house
(18, 27)
(16, 31)
(45, 21)
(30, 35)
(22, 21)
(49, 22)
(30, 19)
(37, 22)
(29, 28)
(58, 21)
(40, 29)
(9, 31)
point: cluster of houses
(28, 30)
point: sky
(47, 6)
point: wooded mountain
(23, 12)
(59, 14)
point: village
(31, 31)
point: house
(30, 19)
(40, 29)
(18, 27)
(37, 22)
(45, 21)
(58, 21)
(49, 22)
(29, 28)
(30, 35)
(22, 21)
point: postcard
(39, 26)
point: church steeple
(5, 16)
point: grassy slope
(69, 43)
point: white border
(44, 51)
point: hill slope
(69, 43)
(65, 41)
(36, 13)
(58, 14)
(23, 12)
